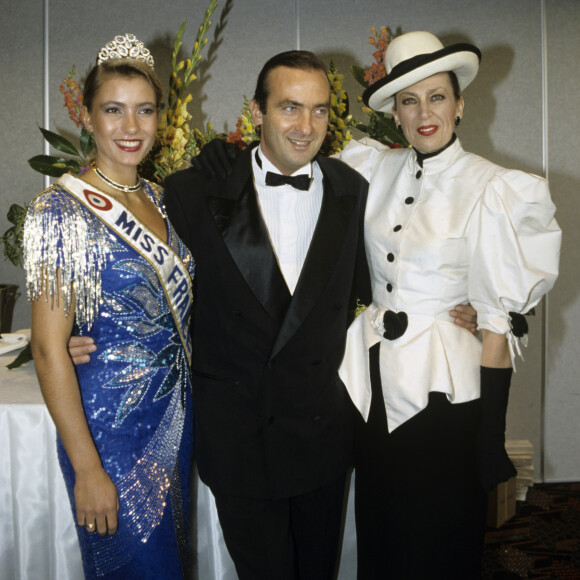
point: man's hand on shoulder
(80, 349)
(216, 159)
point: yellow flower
(179, 140)
(359, 308)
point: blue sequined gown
(136, 390)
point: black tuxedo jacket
(272, 418)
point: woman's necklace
(115, 185)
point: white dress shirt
(290, 215)
(459, 229)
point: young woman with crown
(103, 261)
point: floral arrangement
(178, 142)
(379, 125)
(340, 122)
(246, 131)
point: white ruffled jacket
(459, 229)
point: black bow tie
(301, 182)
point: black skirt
(420, 511)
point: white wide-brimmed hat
(415, 56)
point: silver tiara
(126, 46)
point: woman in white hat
(442, 227)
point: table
(37, 532)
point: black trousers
(294, 538)
(420, 511)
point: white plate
(10, 342)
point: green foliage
(59, 142)
(56, 166)
(53, 166)
(12, 237)
(382, 128)
(87, 143)
(379, 126)
(359, 75)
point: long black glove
(394, 324)
(494, 464)
(216, 158)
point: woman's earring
(457, 120)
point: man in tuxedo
(279, 266)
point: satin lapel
(324, 251)
(239, 220)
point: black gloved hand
(395, 324)
(216, 158)
(519, 324)
(494, 464)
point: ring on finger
(90, 527)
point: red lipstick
(427, 130)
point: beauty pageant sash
(171, 271)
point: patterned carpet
(542, 541)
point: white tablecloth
(37, 532)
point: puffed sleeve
(362, 155)
(63, 250)
(514, 245)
